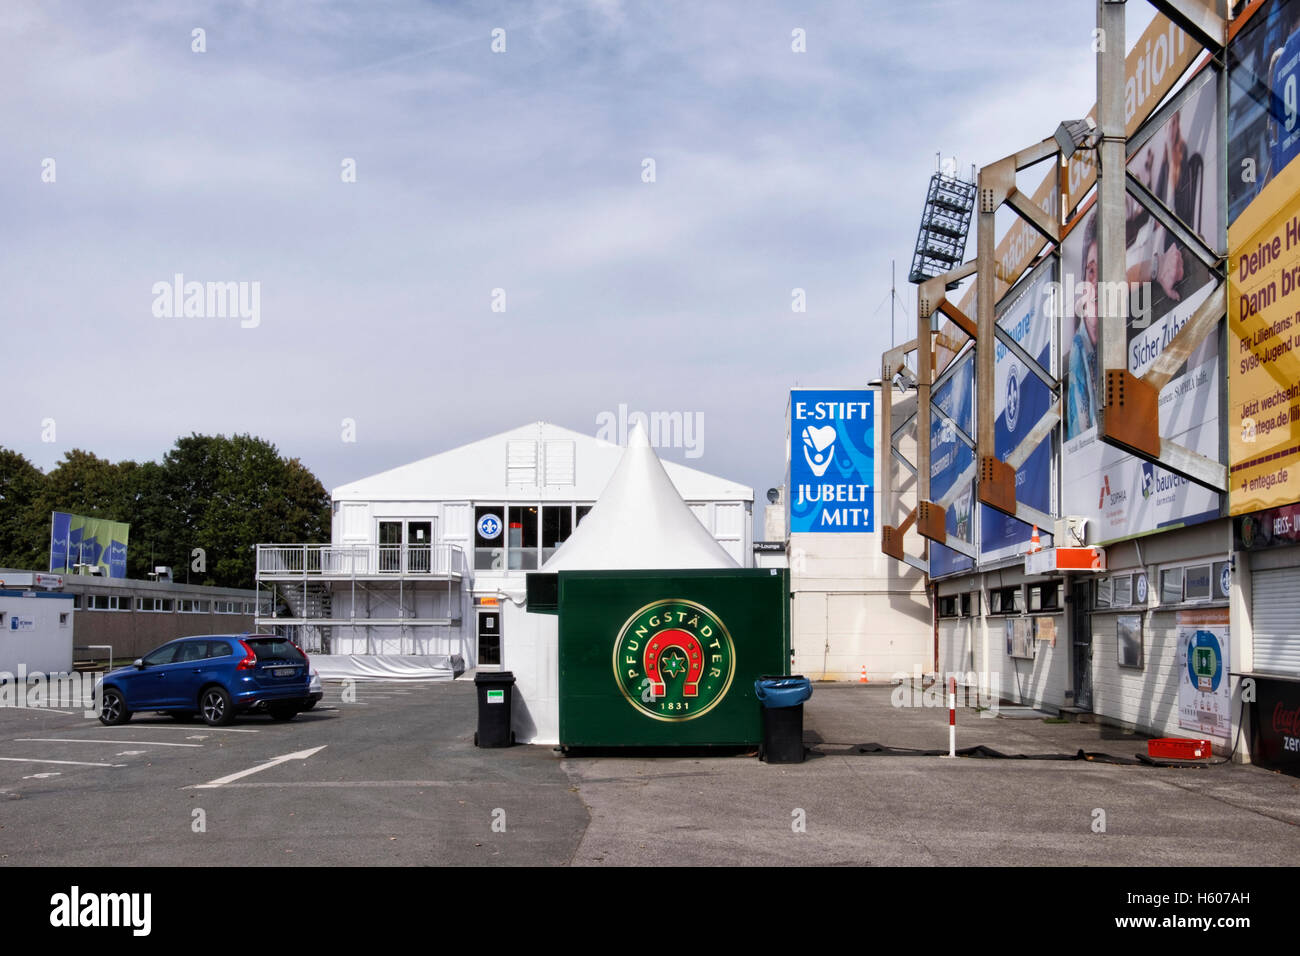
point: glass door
(419, 547)
(390, 547)
(489, 638)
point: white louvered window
(1275, 608)
(560, 462)
(521, 462)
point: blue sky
(477, 171)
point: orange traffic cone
(1034, 543)
(863, 678)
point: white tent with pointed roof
(639, 522)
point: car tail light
(305, 659)
(250, 659)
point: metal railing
(359, 560)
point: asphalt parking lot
(393, 778)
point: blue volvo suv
(216, 677)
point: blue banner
(950, 457)
(1021, 400)
(832, 461)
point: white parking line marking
(130, 753)
(221, 781)
(169, 726)
(80, 740)
(70, 763)
(42, 776)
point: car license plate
(284, 671)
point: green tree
(218, 494)
(238, 492)
(21, 484)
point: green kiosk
(661, 634)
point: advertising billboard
(953, 404)
(1121, 495)
(832, 461)
(75, 539)
(1020, 400)
(1204, 692)
(1157, 60)
(1264, 261)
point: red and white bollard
(952, 716)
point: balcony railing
(359, 560)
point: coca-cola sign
(1286, 721)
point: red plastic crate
(1176, 748)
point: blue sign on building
(832, 461)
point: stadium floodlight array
(945, 221)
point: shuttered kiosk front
(1275, 629)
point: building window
(489, 538)
(1123, 591)
(557, 525)
(970, 604)
(64, 618)
(948, 606)
(1171, 586)
(522, 539)
(1045, 597)
(1005, 601)
(1196, 583)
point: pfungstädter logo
(674, 660)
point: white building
(421, 555)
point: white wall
(530, 651)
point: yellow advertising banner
(1264, 348)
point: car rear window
(274, 649)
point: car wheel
(215, 706)
(282, 713)
(309, 705)
(112, 708)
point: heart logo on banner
(819, 439)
